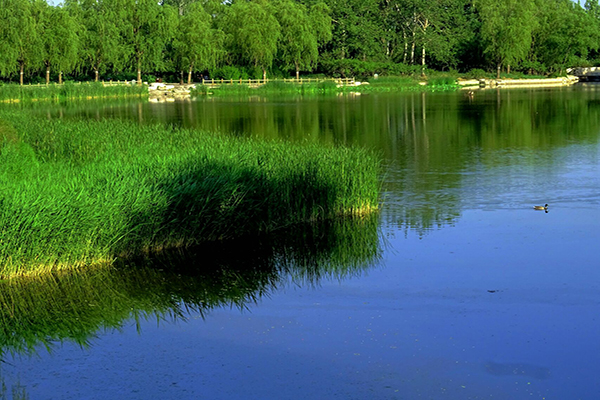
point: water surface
(458, 290)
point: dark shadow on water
(77, 306)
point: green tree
(101, 44)
(565, 34)
(196, 46)
(252, 33)
(61, 42)
(20, 41)
(298, 45)
(147, 27)
(358, 30)
(319, 15)
(506, 30)
(9, 16)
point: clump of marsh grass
(68, 91)
(85, 192)
(270, 88)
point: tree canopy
(250, 38)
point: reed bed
(382, 84)
(68, 91)
(271, 87)
(85, 192)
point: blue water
(492, 300)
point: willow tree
(196, 46)
(506, 30)
(8, 36)
(101, 44)
(147, 27)
(61, 41)
(253, 32)
(20, 42)
(298, 45)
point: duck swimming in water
(544, 207)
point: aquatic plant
(69, 90)
(83, 192)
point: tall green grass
(378, 85)
(68, 90)
(271, 87)
(83, 192)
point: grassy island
(76, 193)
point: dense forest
(187, 39)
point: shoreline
(170, 92)
(470, 84)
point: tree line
(250, 38)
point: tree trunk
(95, 75)
(405, 48)
(47, 75)
(21, 74)
(139, 72)
(412, 51)
(181, 77)
(264, 75)
(423, 62)
(498, 71)
(190, 74)
(508, 69)
(60, 78)
(297, 72)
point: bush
(476, 73)
(227, 72)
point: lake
(459, 289)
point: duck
(544, 207)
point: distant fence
(105, 83)
(218, 82)
(260, 82)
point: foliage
(196, 46)
(29, 93)
(365, 69)
(61, 43)
(298, 40)
(146, 28)
(99, 31)
(506, 30)
(253, 32)
(85, 192)
(97, 38)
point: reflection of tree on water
(436, 146)
(76, 306)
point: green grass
(271, 87)
(68, 91)
(381, 84)
(84, 192)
